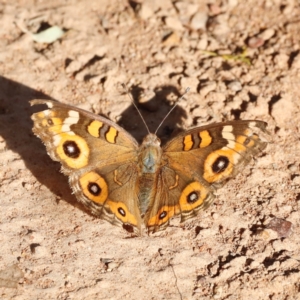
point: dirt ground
(241, 60)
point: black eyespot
(71, 149)
(162, 215)
(94, 188)
(220, 164)
(192, 197)
(121, 211)
(50, 122)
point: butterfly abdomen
(146, 192)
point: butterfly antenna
(132, 101)
(186, 91)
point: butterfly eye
(220, 164)
(162, 215)
(193, 197)
(71, 149)
(122, 211)
(94, 188)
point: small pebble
(235, 86)
(199, 20)
(281, 226)
(267, 34)
(145, 11)
(171, 39)
(191, 82)
(174, 23)
(255, 42)
(207, 88)
(148, 100)
(292, 168)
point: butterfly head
(151, 140)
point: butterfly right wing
(199, 161)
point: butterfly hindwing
(179, 193)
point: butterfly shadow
(153, 111)
(16, 130)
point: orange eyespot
(94, 187)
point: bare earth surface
(241, 60)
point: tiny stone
(236, 102)
(296, 180)
(199, 20)
(190, 82)
(112, 266)
(292, 168)
(281, 226)
(283, 109)
(281, 60)
(209, 87)
(203, 43)
(232, 3)
(267, 34)
(296, 62)
(235, 86)
(288, 10)
(73, 67)
(159, 56)
(145, 11)
(174, 23)
(216, 97)
(214, 9)
(172, 39)
(216, 216)
(148, 100)
(255, 42)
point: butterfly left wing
(199, 161)
(99, 157)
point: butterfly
(129, 184)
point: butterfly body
(129, 184)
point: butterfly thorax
(150, 161)
(150, 154)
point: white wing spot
(46, 112)
(49, 104)
(56, 140)
(72, 119)
(229, 136)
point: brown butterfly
(129, 184)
